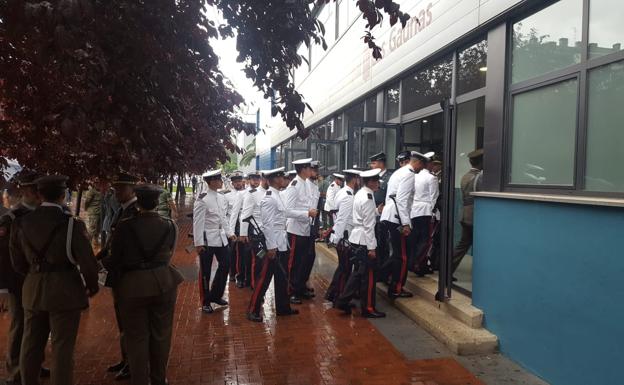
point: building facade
(539, 86)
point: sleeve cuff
(4, 291)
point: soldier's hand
(200, 249)
(312, 213)
(4, 301)
(244, 239)
(272, 253)
(406, 230)
(372, 254)
(380, 208)
(232, 238)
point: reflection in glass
(605, 136)
(472, 68)
(337, 129)
(605, 27)
(329, 154)
(354, 116)
(392, 102)
(371, 109)
(427, 86)
(543, 135)
(424, 135)
(547, 40)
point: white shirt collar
(367, 189)
(50, 204)
(131, 201)
(383, 172)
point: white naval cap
(429, 155)
(272, 173)
(340, 176)
(212, 174)
(291, 172)
(424, 157)
(370, 173)
(302, 161)
(352, 171)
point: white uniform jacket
(405, 195)
(364, 219)
(251, 208)
(274, 214)
(389, 212)
(330, 197)
(237, 206)
(210, 225)
(344, 217)
(298, 201)
(426, 193)
(315, 193)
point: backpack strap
(41, 253)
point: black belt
(143, 266)
(46, 267)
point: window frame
(579, 71)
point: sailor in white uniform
(299, 200)
(426, 192)
(363, 248)
(211, 232)
(238, 256)
(340, 233)
(330, 197)
(251, 212)
(273, 263)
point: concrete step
(456, 325)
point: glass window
(297, 143)
(427, 86)
(337, 128)
(426, 134)
(547, 40)
(371, 109)
(472, 68)
(605, 136)
(392, 102)
(605, 27)
(354, 116)
(543, 135)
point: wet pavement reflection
(319, 346)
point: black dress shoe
(373, 314)
(221, 302)
(117, 367)
(207, 309)
(295, 300)
(329, 297)
(344, 307)
(405, 294)
(123, 374)
(232, 279)
(308, 295)
(254, 317)
(310, 289)
(44, 373)
(288, 312)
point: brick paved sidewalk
(319, 346)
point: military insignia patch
(293, 183)
(268, 193)
(349, 193)
(370, 196)
(253, 190)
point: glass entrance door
(369, 139)
(331, 154)
(293, 154)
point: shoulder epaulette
(370, 196)
(202, 195)
(349, 193)
(412, 171)
(293, 183)
(268, 193)
(253, 190)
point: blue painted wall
(550, 280)
(265, 161)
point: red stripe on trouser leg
(237, 258)
(291, 261)
(253, 268)
(403, 264)
(201, 284)
(258, 288)
(371, 285)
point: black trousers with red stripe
(298, 264)
(342, 273)
(421, 240)
(210, 293)
(398, 258)
(361, 281)
(267, 270)
(242, 259)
